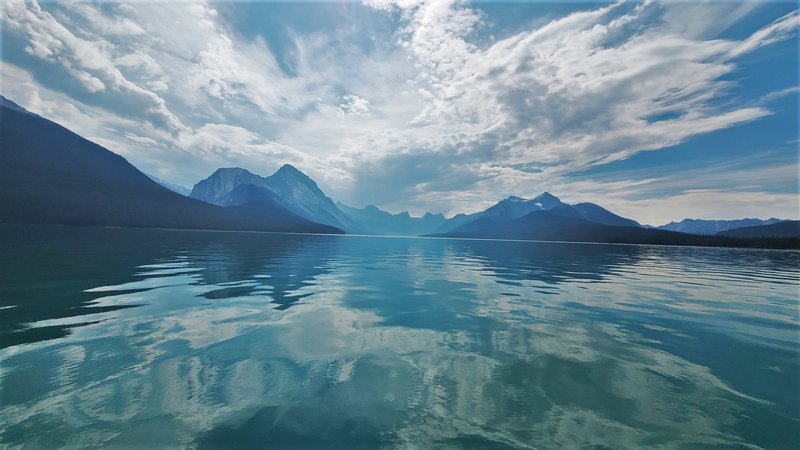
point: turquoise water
(125, 338)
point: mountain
(261, 204)
(8, 104)
(293, 189)
(301, 194)
(172, 187)
(373, 220)
(245, 194)
(547, 200)
(514, 207)
(217, 186)
(52, 175)
(783, 229)
(454, 222)
(558, 224)
(510, 208)
(700, 226)
(562, 224)
(598, 214)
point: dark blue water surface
(122, 338)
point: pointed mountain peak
(546, 196)
(235, 175)
(288, 169)
(514, 199)
(301, 195)
(214, 188)
(290, 172)
(226, 171)
(547, 200)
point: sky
(657, 111)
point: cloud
(405, 104)
(141, 61)
(582, 90)
(574, 91)
(166, 77)
(772, 96)
(725, 190)
(89, 61)
(104, 24)
(226, 143)
(244, 75)
(140, 139)
(779, 30)
(353, 105)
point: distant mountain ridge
(300, 194)
(710, 227)
(583, 222)
(558, 223)
(373, 220)
(597, 214)
(561, 224)
(513, 208)
(782, 229)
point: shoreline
(795, 248)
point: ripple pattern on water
(157, 338)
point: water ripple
(198, 339)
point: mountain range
(373, 220)
(292, 189)
(782, 229)
(710, 227)
(52, 175)
(563, 223)
(514, 207)
(548, 218)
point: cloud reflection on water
(324, 341)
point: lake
(119, 338)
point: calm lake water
(125, 338)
